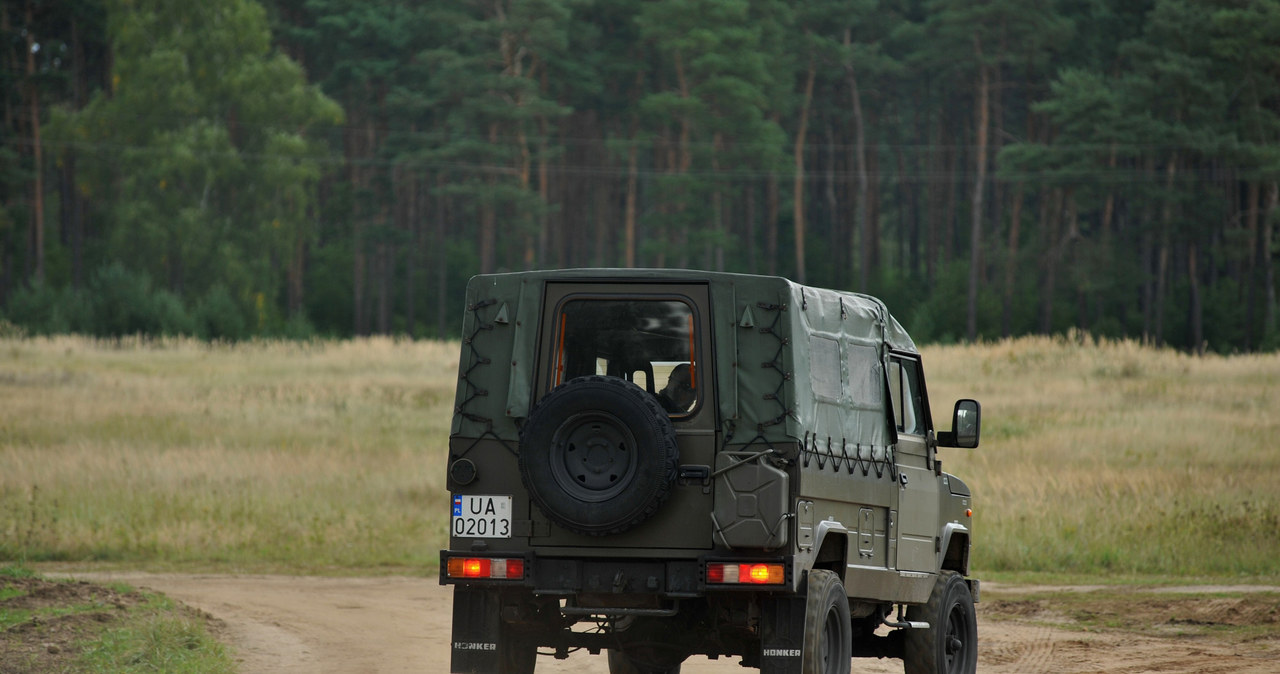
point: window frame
(924, 421)
(552, 374)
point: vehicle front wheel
(950, 645)
(827, 632)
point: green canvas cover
(793, 363)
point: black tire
(518, 656)
(827, 632)
(598, 455)
(622, 663)
(950, 645)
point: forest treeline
(230, 168)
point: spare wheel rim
(593, 456)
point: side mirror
(966, 425)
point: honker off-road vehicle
(662, 463)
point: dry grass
(330, 455)
(1118, 458)
(302, 455)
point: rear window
(648, 341)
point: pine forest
(232, 169)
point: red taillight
(761, 573)
(749, 574)
(485, 567)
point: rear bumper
(566, 576)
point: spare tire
(598, 455)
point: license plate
(480, 516)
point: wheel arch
(954, 549)
(832, 549)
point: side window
(907, 393)
(650, 342)
(825, 374)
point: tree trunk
(1197, 311)
(1269, 220)
(414, 229)
(908, 208)
(936, 207)
(872, 245)
(997, 204)
(950, 250)
(1011, 259)
(544, 195)
(10, 64)
(864, 189)
(1253, 204)
(488, 218)
(296, 276)
(359, 143)
(1148, 260)
(629, 217)
(798, 187)
(440, 259)
(600, 216)
(842, 256)
(1166, 232)
(685, 163)
(77, 202)
(1011, 262)
(385, 264)
(772, 208)
(982, 114)
(530, 254)
(717, 204)
(37, 150)
(1052, 225)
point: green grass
(1098, 459)
(161, 642)
(63, 626)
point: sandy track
(390, 625)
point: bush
(44, 310)
(11, 331)
(298, 328)
(219, 316)
(122, 302)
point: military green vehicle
(659, 463)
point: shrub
(122, 302)
(41, 309)
(219, 316)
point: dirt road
(283, 624)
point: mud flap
(781, 635)
(477, 631)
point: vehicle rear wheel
(827, 631)
(620, 662)
(518, 656)
(598, 455)
(950, 645)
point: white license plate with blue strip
(481, 516)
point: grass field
(329, 456)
